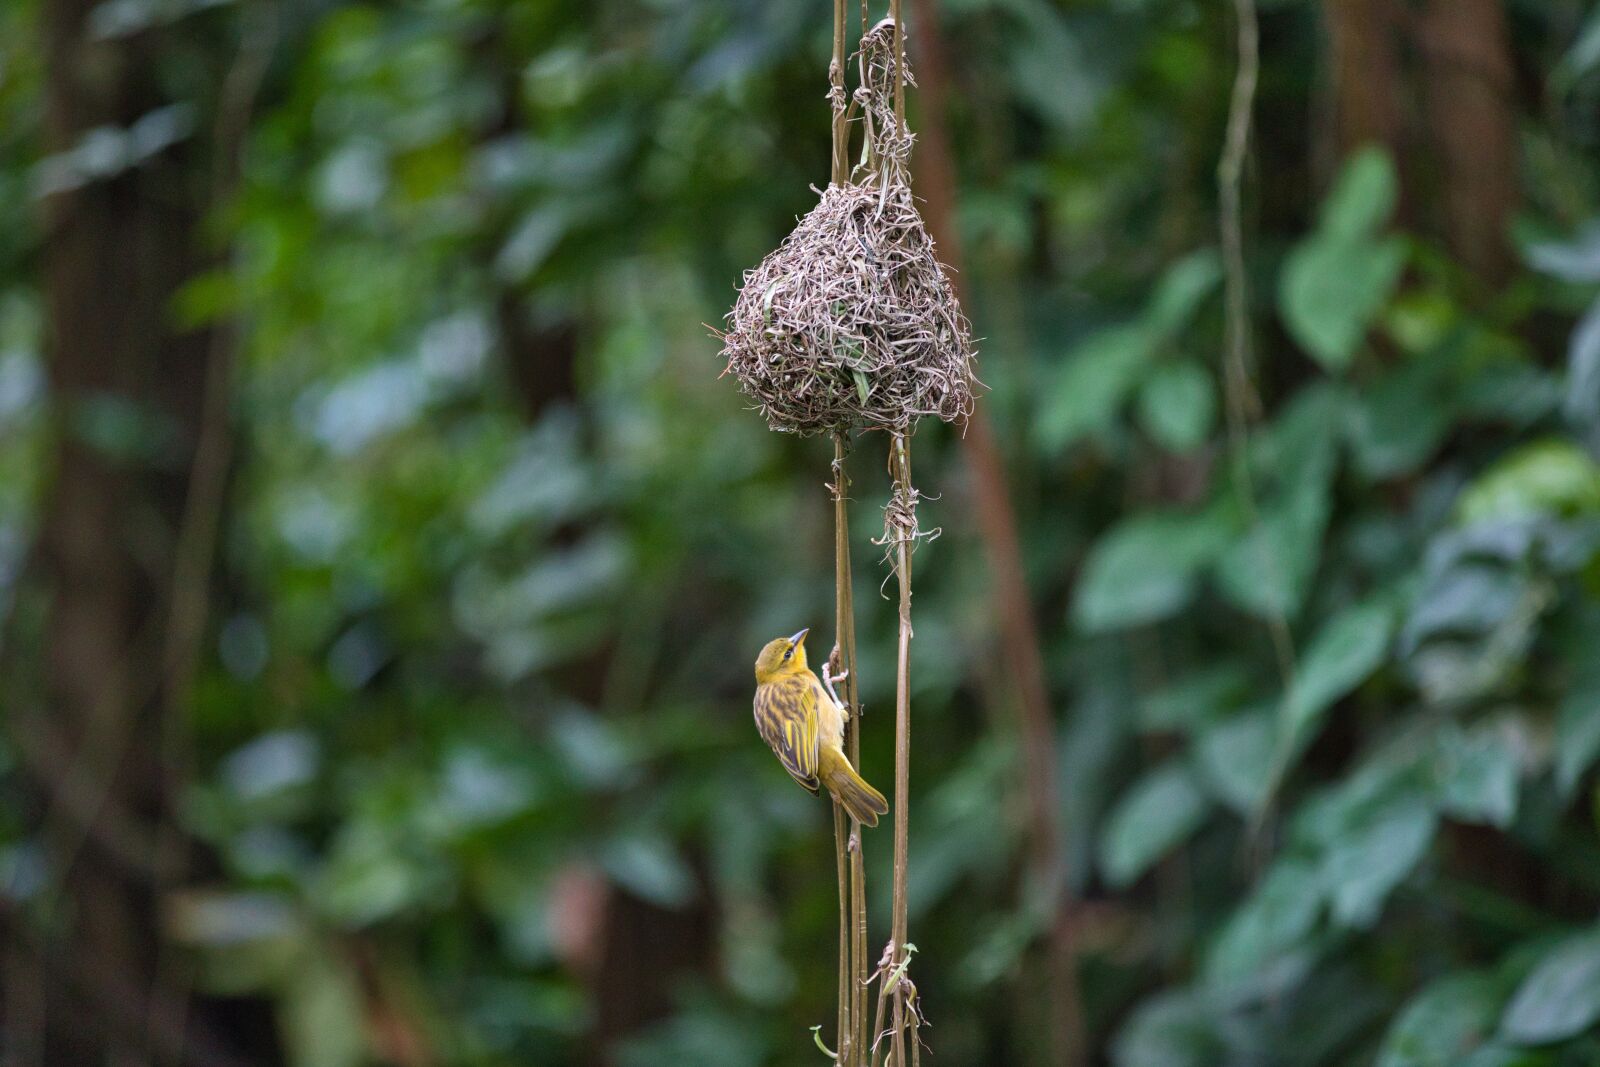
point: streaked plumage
(803, 724)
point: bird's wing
(786, 716)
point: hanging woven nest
(852, 321)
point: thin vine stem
(1243, 404)
(846, 833)
(905, 542)
(847, 836)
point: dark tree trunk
(128, 390)
(1432, 81)
(1469, 93)
(1365, 38)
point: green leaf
(1363, 197)
(1363, 866)
(1161, 810)
(323, 1018)
(1476, 775)
(1577, 735)
(1094, 382)
(1582, 403)
(1552, 478)
(650, 868)
(1278, 916)
(1472, 598)
(1145, 568)
(1561, 998)
(1171, 1029)
(1177, 406)
(1234, 759)
(1338, 280)
(1347, 649)
(1193, 700)
(1333, 288)
(1501, 1056)
(1396, 424)
(1445, 1022)
(1268, 571)
(1182, 287)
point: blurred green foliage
(479, 662)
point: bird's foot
(831, 673)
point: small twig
(816, 1035)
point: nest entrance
(852, 323)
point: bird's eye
(788, 653)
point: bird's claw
(832, 671)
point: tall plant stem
(904, 543)
(853, 913)
(841, 851)
(846, 834)
(1243, 405)
(836, 96)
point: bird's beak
(799, 637)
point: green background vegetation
(457, 766)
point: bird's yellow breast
(830, 720)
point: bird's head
(782, 655)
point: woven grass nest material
(852, 322)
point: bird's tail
(863, 802)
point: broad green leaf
(1103, 370)
(650, 868)
(1162, 808)
(1577, 260)
(1278, 916)
(1364, 195)
(1333, 288)
(1195, 699)
(1583, 370)
(1348, 648)
(1419, 320)
(1472, 598)
(1363, 866)
(1269, 570)
(1502, 1056)
(1182, 287)
(702, 1031)
(1171, 1029)
(1553, 477)
(323, 1019)
(1561, 998)
(1145, 568)
(373, 872)
(1397, 423)
(1177, 405)
(1094, 382)
(1577, 735)
(1476, 775)
(1509, 390)
(1445, 1022)
(1234, 759)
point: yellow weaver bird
(804, 725)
